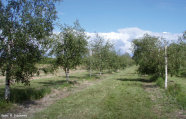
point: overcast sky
(123, 20)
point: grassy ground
(177, 89)
(123, 95)
(39, 87)
(179, 80)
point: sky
(121, 21)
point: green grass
(38, 88)
(177, 89)
(160, 82)
(120, 96)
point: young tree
(70, 48)
(88, 61)
(100, 53)
(125, 60)
(24, 26)
(113, 63)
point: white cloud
(123, 37)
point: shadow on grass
(86, 77)
(93, 76)
(136, 79)
(183, 74)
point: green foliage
(102, 56)
(70, 46)
(176, 57)
(113, 61)
(47, 60)
(182, 43)
(25, 24)
(148, 54)
(125, 60)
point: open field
(122, 95)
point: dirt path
(30, 107)
(160, 99)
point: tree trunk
(165, 67)
(8, 76)
(7, 84)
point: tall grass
(178, 94)
(174, 91)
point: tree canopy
(148, 54)
(25, 24)
(70, 47)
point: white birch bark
(7, 79)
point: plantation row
(26, 37)
(26, 34)
(149, 54)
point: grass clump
(4, 105)
(177, 93)
(21, 95)
(160, 82)
(174, 90)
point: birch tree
(24, 26)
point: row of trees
(149, 55)
(103, 56)
(26, 34)
(70, 48)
